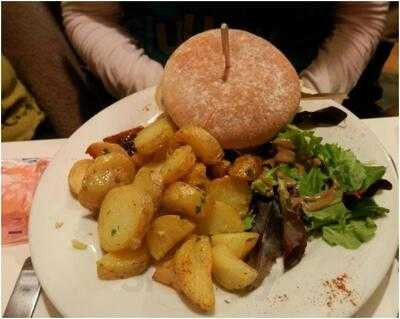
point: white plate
(69, 276)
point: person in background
(126, 44)
(35, 44)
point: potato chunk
(220, 169)
(149, 179)
(229, 271)
(106, 172)
(198, 176)
(222, 218)
(204, 145)
(101, 148)
(240, 244)
(154, 137)
(125, 216)
(165, 273)
(165, 232)
(178, 164)
(123, 264)
(193, 262)
(139, 159)
(76, 175)
(231, 191)
(246, 167)
(186, 199)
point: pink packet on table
(19, 181)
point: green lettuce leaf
(312, 183)
(352, 235)
(334, 214)
(333, 235)
(343, 166)
(366, 207)
(346, 226)
(248, 221)
(305, 141)
(372, 174)
(290, 171)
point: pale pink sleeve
(109, 51)
(344, 56)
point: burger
(259, 96)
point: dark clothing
(297, 29)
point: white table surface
(384, 302)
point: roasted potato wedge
(204, 145)
(246, 167)
(123, 264)
(178, 164)
(76, 175)
(106, 172)
(165, 232)
(154, 137)
(167, 151)
(240, 244)
(125, 216)
(229, 271)
(222, 218)
(220, 169)
(149, 179)
(193, 262)
(198, 176)
(185, 199)
(231, 191)
(155, 166)
(139, 159)
(101, 148)
(165, 273)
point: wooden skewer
(225, 49)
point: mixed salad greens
(335, 174)
(313, 189)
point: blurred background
(64, 62)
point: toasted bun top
(260, 96)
